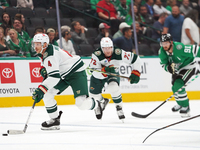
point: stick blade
(139, 115)
(15, 132)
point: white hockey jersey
(118, 57)
(59, 65)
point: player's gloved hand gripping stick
(134, 77)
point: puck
(5, 134)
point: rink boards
(19, 77)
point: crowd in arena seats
(21, 19)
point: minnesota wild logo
(91, 88)
(45, 55)
(98, 53)
(118, 51)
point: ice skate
(185, 111)
(176, 108)
(120, 113)
(52, 124)
(104, 104)
(98, 111)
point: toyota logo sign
(7, 73)
(35, 72)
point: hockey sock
(52, 111)
(181, 97)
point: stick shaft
(26, 124)
(29, 116)
(144, 116)
(108, 73)
(171, 125)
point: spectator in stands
(173, 24)
(185, 7)
(142, 40)
(51, 33)
(119, 33)
(147, 18)
(78, 33)
(138, 17)
(42, 4)
(67, 44)
(25, 3)
(140, 34)
(4, 49)
(159, 9)
(117, 2)
(137, 3)
(159, 25)
(170, 4)
(190, 30)
(111, 15)
(30, 45)
(22, 18)
(17, 44)
(3, 4)
(122, 9)
(149, 5)
(94, 2)
(65, 27)
(18, 26)
(125, 42)
(104, 31)
(6, 22)
(40, 27)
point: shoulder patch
(98, 53)
(45, 55)
(178, 47)
(118, 51)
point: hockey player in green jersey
(107, 58)
(179, 60)
(62, 70)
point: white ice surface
(80, 130)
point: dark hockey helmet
(166, 37)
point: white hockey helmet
(106, 42)
(42, 38)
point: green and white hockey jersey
(183, 56)
(118, 57)
(59, 65)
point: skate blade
(185, 115)
(51, 128)
(122, 120)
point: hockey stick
(144, 116)
(170, 126)
(26, 125)
(108, 73)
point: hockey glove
(43, 72)
(170, 68)
(109, 69)
(135, 77)
(38, 94)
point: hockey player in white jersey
(62, 70)
(107, 58)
